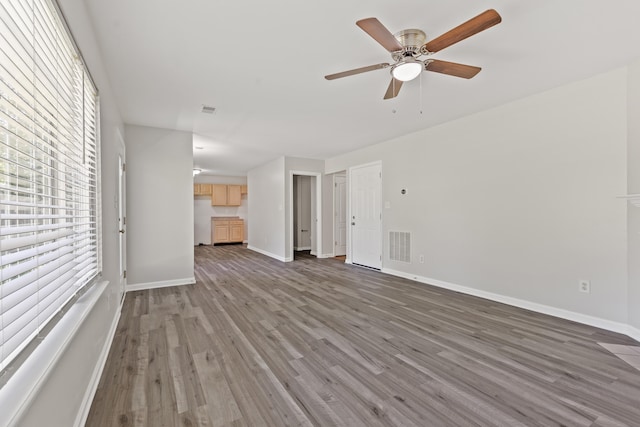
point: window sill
(19, 391)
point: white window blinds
(49, 216)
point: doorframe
(343, 174)
(121, 214)
(349, 258)
(297, 227)
(318, 223)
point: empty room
(287, 213)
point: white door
(365, 184)
(340, 215)
(122, 224)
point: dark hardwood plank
(258, 342)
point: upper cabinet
(221, 194)
(234, 195)
(226, 195)
(202, 189)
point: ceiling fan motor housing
(411, 40)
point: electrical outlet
(584, 286)
(421, 259)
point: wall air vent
(400, 246)
(207, 109)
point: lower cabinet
(220, 232)
(236, 231)
(227, 230)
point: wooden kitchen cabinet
(220, 231)
(236, 230)
(202, 189)
(219, 195)
(234, 195)
(227, 230)
(226, 195)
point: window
(49, 177)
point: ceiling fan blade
(486, 19)
(379, 32)
(393, 89)
(356, 71)
(452, 69)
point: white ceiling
(261, 64)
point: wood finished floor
(258, 342)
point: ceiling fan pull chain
(421, 93)
(394, 110)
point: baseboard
(597, 322)
(634, 333)
(302, 248)
(160, 284)
(269, 254)
(85, 407)
(325, 256)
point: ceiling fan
(407, 46)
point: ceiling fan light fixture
(407, 70)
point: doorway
(305, 213)
(302, 217)
(365, 215)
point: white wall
(203, 211)
(633, 187)
(270, 187)
(159, 207)
(266, 207)
(66, 392)
(519, 200)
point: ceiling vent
(400, 246)
(208, 110)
